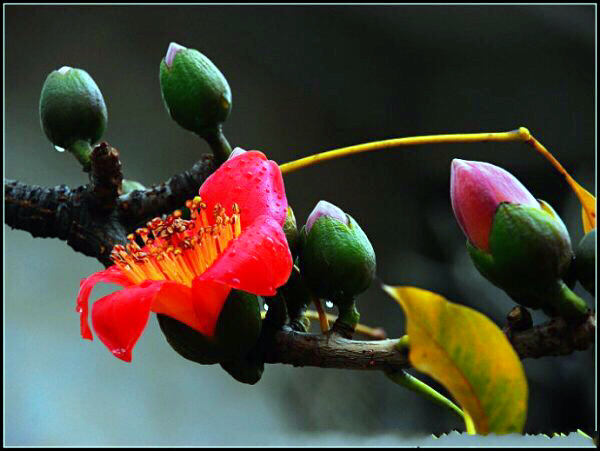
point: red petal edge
(111, 275)
(208, 298)
(120, 318)
(258, 261)
(251, 181)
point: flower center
(175, 248)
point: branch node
(105, 176)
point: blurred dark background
(304, 79)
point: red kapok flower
(476, 190)
(187, 268)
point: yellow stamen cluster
(175, 248)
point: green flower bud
(237, 331)
(194, 91)
(72, 111)
(529, 255)
(585, 261)
(246, 370)
(336, 258)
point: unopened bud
(194, 90)
(72, 110)
(336, 258)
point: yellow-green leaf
(469, 355)
(588, 206)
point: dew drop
(329, 304)
(266, 307)
(235, 281)
(59, 149)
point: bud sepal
(237, 331)
(529, 255)
(585, 261)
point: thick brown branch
(333, 351)
(556, 337)
(43, 212)
(92, 219)
(553, 338)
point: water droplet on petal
(235, 281)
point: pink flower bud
(324, 208)
(172, 51)
(476, 190)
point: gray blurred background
(304, 79)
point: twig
(92, 219)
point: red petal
(177, 301)
(258, 261)
(251, 181)
(208, 298)
(111, 275)
(120, 318)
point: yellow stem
(376, 333)
(521, 134)
(588, 201)
(321, 315)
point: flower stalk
(587, 200)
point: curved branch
(333, 351)
(139, 206)
(554, 338)
(92, 219)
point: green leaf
(470, 356)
